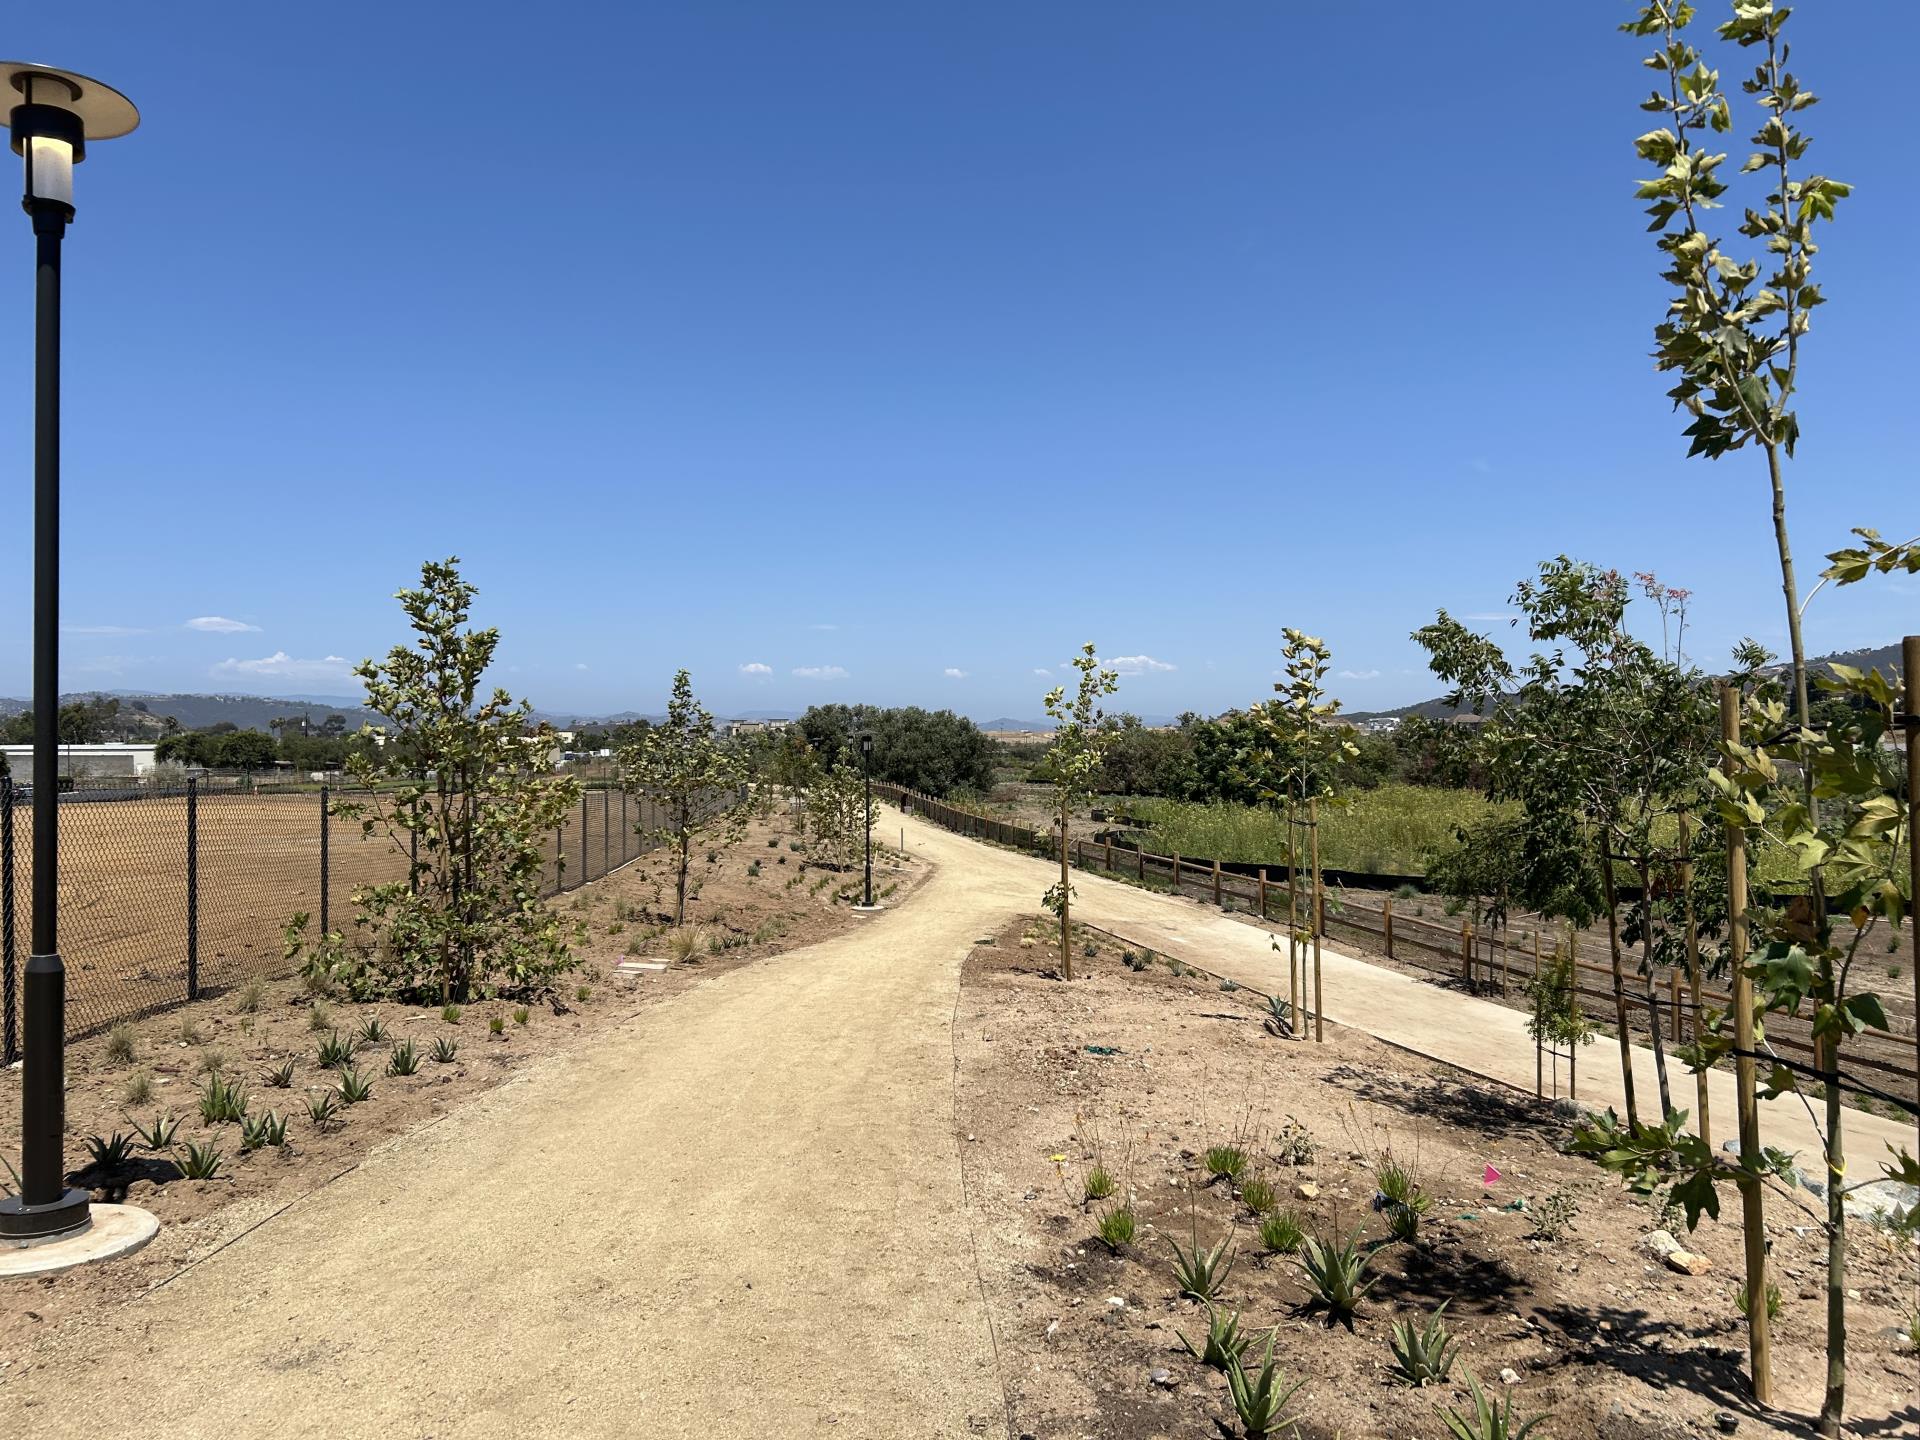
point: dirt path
(1475, 1035)
(740, 1214)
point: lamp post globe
(53, 116)
(866, 766)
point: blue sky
(799, 337)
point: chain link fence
(169, 895)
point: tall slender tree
(1072, 765)
(689, 774)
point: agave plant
(336, 1050)
(109, 1151)
(444, 1050)
(1261, 1400)
(159, 1135)
(354, 1087)
(259, 1130)
(201, 1162)
(1225, 1342)
(404, 1059)
(1201, 1272)
(372, 1032)
(1335, 1272)
(223, 1101)
(1486, 1422)
(323, 1109)
(281, 1076)
(1425, 1355)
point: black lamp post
(54, 114)
(866, 765)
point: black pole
(866, 763)
(9, 977)
(193, 888)
(323, 863)
(46, 1205)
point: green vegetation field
(1390, 830)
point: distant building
(125, 760)
(758, 727)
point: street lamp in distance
(866, 767)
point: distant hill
(1003, 723)
(196, 712)
(1885, 658)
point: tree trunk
(1654, 1028)
(1293, 926)
(1619, 975)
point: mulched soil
(1592, 1327)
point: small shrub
(496, 1025)
(1775, 1304)
(1225, 1162)
(773, 842)
(404, 1059)
(1395, 1181)
(323, 1109)
(319, 1017)
(582, 995)
(139, 1089)
(223, 1102)
(1553, 1216)
(1098, 1185)
(247, 1001)
(189, 1031)
(1423, 1356)
(281, 1076)
(1257, 1194)
(521, 1015)
(258, 1131)
(372, 1032)
(354, 1087)
(1135, 963)
(109, 1151)
(1281, 1231)
(686, 942)
(201, 1162)
(1406, 892)
(444, 1050)
(1335, 1273)
(1090, 950)
(159, 1135)
(1486, 1423)
(1225, 1342)
(753, 869)
(1261, 1401)
(1294, 1144)
(1117, 1226)
(211, 1061)
(450, 1014)
(335, 1050)
(120, 1045)
(1403, 1223)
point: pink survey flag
(1491, 1178)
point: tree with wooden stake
(1601, 741)
(687, 769)
(1072, 765)
(467, 798)
(1303, 751)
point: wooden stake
(1752, 1163)
(1388, 913)
(1216, 882)
(1176, 874)
(1109, 852)
(1066, 880)
(1319, 919)
(1704, 1126)
(1466, 953)
(1293, 925)
(1673, 988)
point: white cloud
(1359, 674)
(1138, 664)
(819, 672)
(754, 667)
(579, 664)
(1042, 670)
(101, 630)
(219, 625)
(953, 673)
(282, 666)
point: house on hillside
(109, 760)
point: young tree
(838, 819)
(1306, 751)
(1072, 765)
(687, 769)
(467, 776)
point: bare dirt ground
(1142, 1072)
(735, 918)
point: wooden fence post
(1673, 989)
(1176, 874)
(1109, 852)
(1216, 882)
(1263, 893)
(1387, 912)
(1466, 953)
(1140, 864)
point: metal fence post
(10, 1002)
(323, 862)
(193, 888)
(584, 872)
(626, 831)
(606, 832)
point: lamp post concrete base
(110, 1231)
